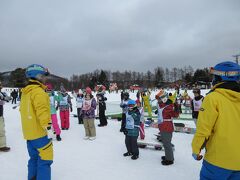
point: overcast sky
(79, 36)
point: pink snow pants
(64, 116)
(141, 129)
(55, 124)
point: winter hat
(88, 90)
(80, 91)
(225, 71)
(228, 71)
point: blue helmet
(131, 102)
(35, 69)
(228, 71)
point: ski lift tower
(236, 56)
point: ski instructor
(35, 117)
(218, 126)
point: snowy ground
(75, 158)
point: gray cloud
(78, 36)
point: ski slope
(101, 159)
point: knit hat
(80, 91)
(88, 90)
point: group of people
(217, 126)
(216, 117)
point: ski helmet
(226, 71)
(35, 69)
(80, 91)
(131, 104)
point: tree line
(186, 76)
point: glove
(156, 112)
(125, 131)
(71, 109)
(88, 113)
(49, 126)
(197, 157)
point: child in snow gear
(132, 130)
(35, 117)
(102, 108)
(146, 103)
(64, 104)
(196, 104)
(124, 106)
(88, 112)
(166, 113)
(179, 101)
(3, 98)
(218, 125)
(79, 104)
(53, 100)
(187, 104)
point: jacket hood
(33, 84)
(231, 90)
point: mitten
(197, 157)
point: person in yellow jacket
(146, 103)
(35, 118)
(218, 126)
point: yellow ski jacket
(218, 129)
(34, 110)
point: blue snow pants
(41, 157)
(211, 172)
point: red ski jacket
(168, 114)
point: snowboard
(178, 127)
(145, 143)
(187, 130)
